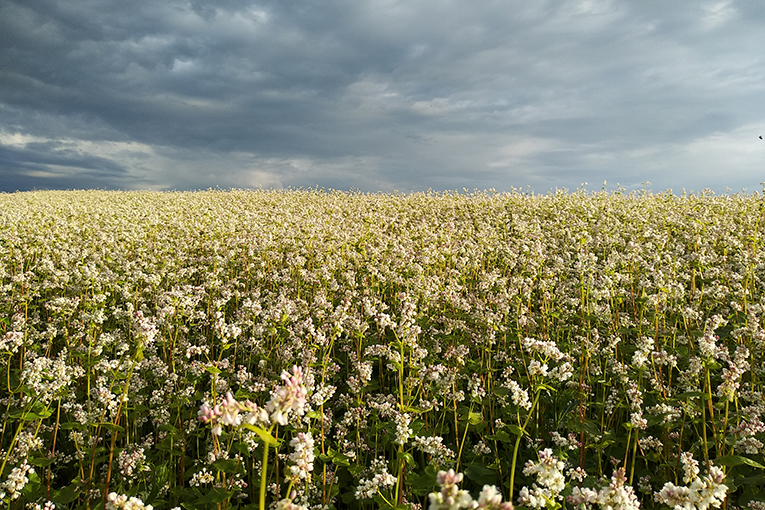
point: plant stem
(518, 441)
(263, 477)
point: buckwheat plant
(700, 493)
(450, 497)
(320, 349)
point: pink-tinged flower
(206, 414)
(230, 411)
(491, 499)
(448, 478)
(302, 457)
(256, 415)
(450, 497)
(291, 397)
(287, 503)
(582, 497)
(675, 497)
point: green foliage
(433, 331)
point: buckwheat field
(325, 350)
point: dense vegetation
(242, 349)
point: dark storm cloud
(380, 94)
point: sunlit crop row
(307, 349)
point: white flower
(116, 501)
(302, 456)
(16, 481)
(617, 495)
(690, 467)
(701, 494)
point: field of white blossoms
(305, 349)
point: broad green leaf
(414, 410)
(214, 496)
(264, 435)
(501, 436)
(475, 418)
(737, 460)
(62, 497)
(169, 428)
(112, 427)
(38, 412)
(481, 474)
(750, 480)
(422, 483)
(226, 465)
(339, 459)
(41, 461)
(408, 458)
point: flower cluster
(213, 343)
(286, 400)
(288, 504)
(617, 495)
(116, 501)
(700, 493)
(302, 456)
(451, 497)
(16, 481)
(549, 473)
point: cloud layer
(381, 94)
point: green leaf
(264, 435)
(169, 428)
(62, 497)
(737, 460)
(501, 436)
(38, 412)
(33, 485)
(339, 459)
(515, 429)
(226, 465)
(41, 461)
(112, 427)
(481, 474)
(422, 484)
(408, 458)
(212, 369)
(160, 474)
(214, 496)
(750, 480)
(475, 418)
(414, 410)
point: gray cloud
(380, 94)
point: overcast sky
(382, 95)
